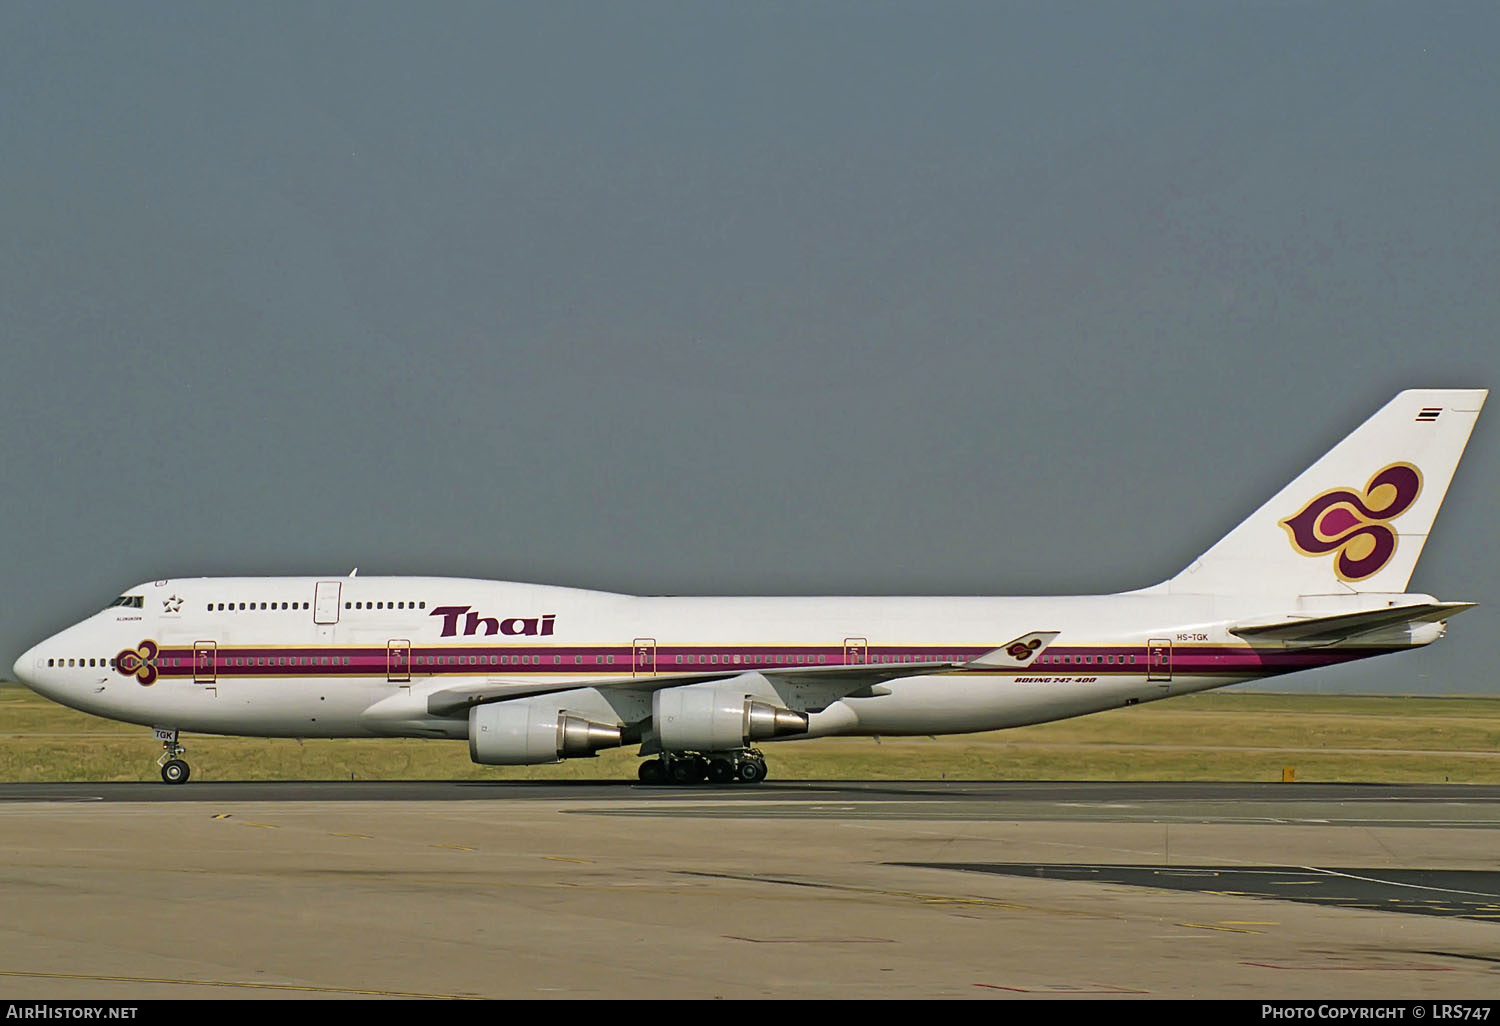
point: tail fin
(1356, 520)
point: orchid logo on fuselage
(1356, 525)
(473, 623)
(139, 663)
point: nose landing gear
(173, 769)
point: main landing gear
(173, 769)
(746, 766)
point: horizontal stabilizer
(1330, 629)
(1021, 652)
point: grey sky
(730, 298)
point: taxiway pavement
(788, 889)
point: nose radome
(22, 666)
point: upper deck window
(129, 602)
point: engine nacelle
(531, 731)
(719, 719)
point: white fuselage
(359, 656)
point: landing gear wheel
(173, 769)
(751, 771)
(652, 772)
(687, 771)
(720, 771)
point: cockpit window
(129, 602)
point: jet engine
(720, 718)
(531, 731)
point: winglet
(1021, 652)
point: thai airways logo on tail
(1356, 525)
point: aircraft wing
(1327, 630)
(477, 691)
(457, 696)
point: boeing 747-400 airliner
(530, 674)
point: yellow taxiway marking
(926, 899)
(223, 815)
(1064, 988)
(363, 836)
(263, 826)
(563, 858)
(1217, 926)
(1249, 922)
(236, 983)
(455, 847)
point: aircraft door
(398, 661)
(1159, 661)
(326, 602)
(856, 651)
(205, 662)
(643, 661)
